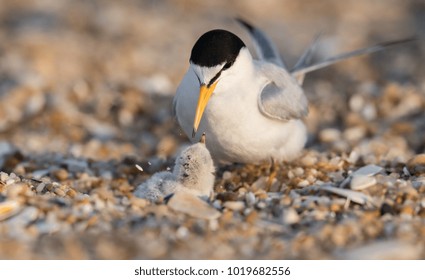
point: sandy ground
(85, 94)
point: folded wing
(281, 98)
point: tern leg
(272, 174)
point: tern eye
(215, 78)
(226, 66)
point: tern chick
(193, 172)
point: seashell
(362, 182)
(8, 209)
(192, 205)
(354, 196)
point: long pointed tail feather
(344, 56)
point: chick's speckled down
(193, 172)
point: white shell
(354, 196)
(192, 205)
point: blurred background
(96, 78)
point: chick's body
(193, 172)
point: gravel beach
(86, 89)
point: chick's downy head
(194, 169)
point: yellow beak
(205, 93)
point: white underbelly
(237, 132)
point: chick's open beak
(205, 93)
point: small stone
(38, 174)
(303, 183)
(308, 160)
(61, 174)
(227, 175)
(353, 157)
(260, 184)
(8, 209)
(334, 207)
(192, 205)
(59, 192)
(3, 176)
(298, 171)
(227, 196)
(71, 193)
(40, 187)
(290, 216)
(406, 171)
(250, 199)
(329, 135)
(416, 165)
(261, 194)
(407, 210)
(261, 205)
(182, 232)
(234, 205)
(384, 250)
(138, 202)
(355, 133)
(213, 225)
(387, 209)
(252, 217)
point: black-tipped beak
(205, 93)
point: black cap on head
(215, 47)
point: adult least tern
(251, 110)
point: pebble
(355, 133)
(182, 232)
(61, 174)
(227, 175)
(9, 208)
(290, 216)
(260, 183)
(384, 250)
(416, 165)
(308, 160)
(234, 205)
(193, 206)
(329, 135)
(250, 199)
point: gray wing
(338, 58)
(264, 47)
(281, 98)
